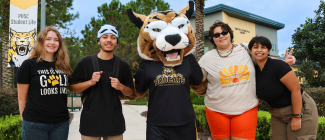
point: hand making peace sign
(289, 58)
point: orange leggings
(240, 126)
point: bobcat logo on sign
(22, 31)
(234, 74)
(21, 44)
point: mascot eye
(156, 30)
(181, 26)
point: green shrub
(10, 127)
(318, 94)
(263, 130)
(263, 106)
(137, 102)
(196, 99)
(201, 120)
(321, 129)
(8, 102)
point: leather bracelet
(298, 114)
(297, 117)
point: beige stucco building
(245, 25)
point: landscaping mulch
(144, 113)
(203, 134)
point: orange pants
(240, 126)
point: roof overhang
(240, 14)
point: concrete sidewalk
(135, 123)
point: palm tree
(199, 24)
(6, 78)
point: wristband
(298, 114)
(297, 117)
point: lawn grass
(137, 102)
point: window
(206, 49)
(272, 47)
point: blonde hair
(61, 57)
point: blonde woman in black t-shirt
(294, 113)
(43, 79)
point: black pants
(183, 132)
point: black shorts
(183, 132)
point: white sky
(292, 13)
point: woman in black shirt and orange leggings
(294, 113)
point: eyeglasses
(217, 35)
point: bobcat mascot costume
(168, 67)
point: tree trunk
(199, 24)
(6, 80)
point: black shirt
(169, 90)
(84, 71)
(47, 94)
(102, 111)
(268, 84)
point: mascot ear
(188, 10)
(136, 19)
(12, 32)
(32, 33)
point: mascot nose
(173, 39)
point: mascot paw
(139, 94)
(131, 97)
(201, 88)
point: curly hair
(224, 26)
(61, 57)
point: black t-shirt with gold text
(169, 90)
(47, 93)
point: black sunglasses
(217, 35)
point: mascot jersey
(169, 90)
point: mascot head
(165, 36)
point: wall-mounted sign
(242, 31)
(22, 31)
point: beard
(106, 50)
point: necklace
(225, 52)
(219, 53)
